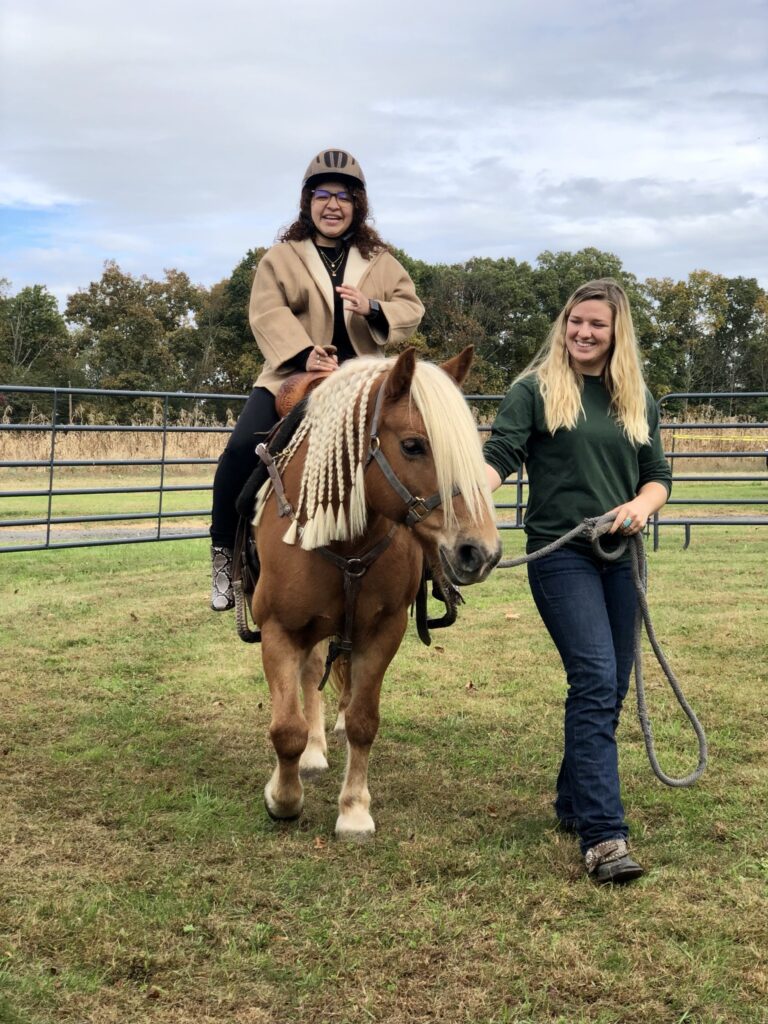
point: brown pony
(342, 551)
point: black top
(344, 348)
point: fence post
(163, 451)
(51, 465)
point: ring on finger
(627, 523)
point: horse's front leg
(288, 730)
(314, 760)
(361, 723)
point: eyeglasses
(324, 196)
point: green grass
(141, 880)
(101, 503)
(720, 496)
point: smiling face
(589, 336)
(332, 219)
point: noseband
(417, 508)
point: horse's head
(427, 468)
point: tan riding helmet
(334, 163)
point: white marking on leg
(354, 820)
(283, 801)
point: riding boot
(222, 595)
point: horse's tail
(341, 676)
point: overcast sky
(175, 134)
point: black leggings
(237, 462)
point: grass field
(141, 880)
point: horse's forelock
(454, 440)
(335, 426)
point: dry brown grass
(187, 442)
(73, 444)
(726, 436)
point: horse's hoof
(312, 764)
(357, 827)
(282, 813)
(281, 817)
(356, 837)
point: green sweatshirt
(575, 473)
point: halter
(418, 508)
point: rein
(593, 528)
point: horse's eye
(412, 447)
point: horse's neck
(377, 528)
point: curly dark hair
(365, 237)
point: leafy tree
(486, 303)
(129, 331)
(674, 338)
(709, 333)
(239, 361)
(35, 347)
(756, 349)
(558, 274)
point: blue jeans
(588, 606)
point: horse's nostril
(470, 557)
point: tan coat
(291, 305)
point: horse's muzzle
(469, 562)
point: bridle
(417, 508)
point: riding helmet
(336, 164)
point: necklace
(332, 264)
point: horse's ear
(401, 375)
(458, 367)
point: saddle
(295, 388)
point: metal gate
(58, 474)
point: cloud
(162, 135)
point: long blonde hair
(561, 385)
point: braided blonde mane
(331, 499)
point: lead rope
(593, 529)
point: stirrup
(222, 594)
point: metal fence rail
(24, 526)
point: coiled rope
(593, 529)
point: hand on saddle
(322, 359)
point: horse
(375, 435)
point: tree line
(708, 333)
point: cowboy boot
(609, 863)
(222, 595)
